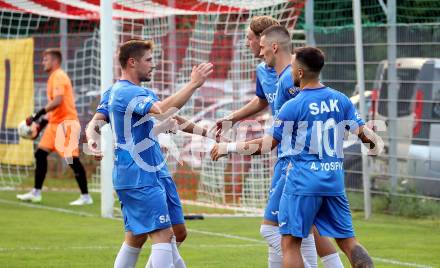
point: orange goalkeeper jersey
(59, 84)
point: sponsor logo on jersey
(164, 218)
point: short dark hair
(54, 52)
(260, 23)
(279, 34)
(133, 49)
(311, 57)
(276, 29)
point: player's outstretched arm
(256, 105)
(373, 140)
(253, 147)
(93, 134)
(198, 77)
(190, 127)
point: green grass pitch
(39, 236)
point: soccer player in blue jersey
(275, 47)
(147, 194)
(172, 124)
(312, 126)
(265, 92)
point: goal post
(185, 33)
(107, 53)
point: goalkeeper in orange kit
(60, 118)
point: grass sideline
(38, 237)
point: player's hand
(200, 73)
(35, 117)
(169, 125)
(378, 148)
(94, 149)
(29, 120)
(219, 150)
(222, 125)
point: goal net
(185, 33)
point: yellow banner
(16, 99)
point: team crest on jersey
(293, 91)
(277, 123)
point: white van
(418, 119)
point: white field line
(99, 247)
(227, 236)
(63, 210)
(242, 238)
(406, 264)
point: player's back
(318, 119)
(138, 160)
(59, 83)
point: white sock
(308, 251)
(177, 259)
(127, 257)
(273, 237)
(85, 196)
(36, 192)
(274, 260)
(150, 263)
(162, 255)
(332, 261)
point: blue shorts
(330, 214)
(276, 190)
(173, 201)
(144, 209)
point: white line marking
(58, 248)
(227, 236)
(62, 210)
(407, 264)
(97, 247)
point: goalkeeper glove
(35, 117)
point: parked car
(418, 125)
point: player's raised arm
(198, 77)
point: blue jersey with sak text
(139, 161)
(311, 128)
